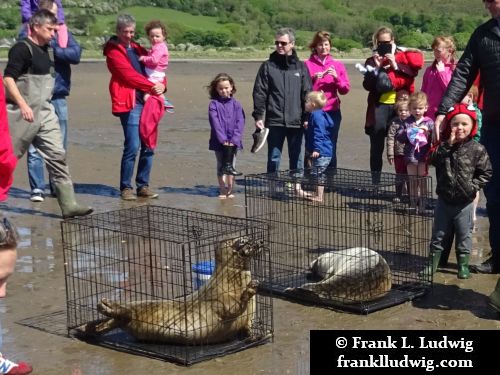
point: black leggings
(383, 114)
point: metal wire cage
(167, 283)
(363, 248)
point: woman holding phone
(395, 70)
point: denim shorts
(319, 166)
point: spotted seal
(220, 310)
(356, 274)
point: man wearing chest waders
(29, 82)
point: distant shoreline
(220, 60)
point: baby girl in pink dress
(156, 61)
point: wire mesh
(361, 213)
(133, 282)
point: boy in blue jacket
(319, 146)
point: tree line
(251, 22)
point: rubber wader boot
(228, 153)
(495, 297)
(431, 269)
(67, 202)
(463, 266)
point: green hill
(223, 23)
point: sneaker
(37, 197)
(9, 367)
(169, 107)
(127, 194)
(259, 138)
(144, 192)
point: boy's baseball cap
(457, 109)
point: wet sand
(184, 174)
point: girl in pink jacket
(330, 76)
(156, 61)
(438, 75)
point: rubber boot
(228, 153)
(431, 269)
(495, 297)
(67, 202)
(463, 266)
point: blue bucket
(202, 272)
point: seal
(352, 275)
(221, 309)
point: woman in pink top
(330, 76)
(438, 75)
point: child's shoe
(361, 68)
(11, 368)
(169, 107)
(259, 139)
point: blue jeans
(35, 161)
(337, 119)
(449, 217)
(131, 146)
(275, 141)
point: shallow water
(184, 174)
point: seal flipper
(113, 309)
(119, 315)
(301, 292)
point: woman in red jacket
(8, 160)
(394, 70)
(127, 87)
(8, 235)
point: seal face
(356, 274)
(221, 309)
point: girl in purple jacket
(227, 122)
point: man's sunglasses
(282, 44)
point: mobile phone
(384, 49)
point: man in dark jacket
(63, 58)
(482, 53)
(279, 95)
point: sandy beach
(184, 175)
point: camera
(384, 49)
